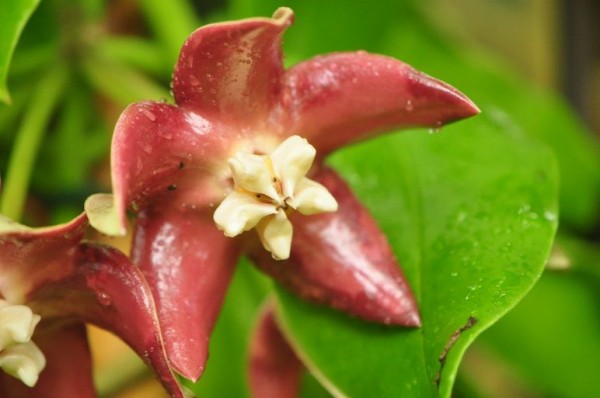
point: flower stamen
(266, 188)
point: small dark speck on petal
(180, 165)
(172, 187)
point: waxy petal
(253, 173)
(30, 257)
(162, 152)
(344, 260)
(275, 371)
(68, 372)
(241, 212)
(338, 99)
(292, 160)
(188, 264)
(232, 71)
(312, 198)
(23, 361)
(104, 288)
(275, 233)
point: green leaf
(13, 16)
(542, 114)
(471, 214)
(552, 337)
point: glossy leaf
(471, 214)
(542, 114)
(13, 16)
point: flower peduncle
(266, 188)
(19, 356)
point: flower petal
(240, 212)
(344, 260)
(338, 99)
(161, 152)
(253, 173)
(188, 264)
(275, 370)
(312, 198)
(275, 233)
(23, 361)
(292, 160)
(32, 256)
(232, 70)
(104, 288)
(68, 371)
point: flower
(50, 284)
(173, 165)
(274, 369)
(265, 187)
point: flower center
(266, 188)
(19, 356)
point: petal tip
(444, 103)
(284, 16)
(102, 214)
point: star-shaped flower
(50, 284)
(237, 111)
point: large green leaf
(13, 16)
(471, 214)
(544, 115)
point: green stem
(172, 21)
(136, 52)
(29, 136)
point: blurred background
(530, 57)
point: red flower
(175, 164)
(50, 284)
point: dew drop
(104, 298)
(409, 106)
(151, 116)
(194, 81)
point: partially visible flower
(274, 369)
(236, 107)
(50, 284)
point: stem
(20, 165)
(172, 21)
(137, 52)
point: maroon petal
(275, 370)
(232, 70)
(344, 260)
(188, 264)
(68, 371)
(164, 152)
(338, 99)
(31, 256)
(105, 288)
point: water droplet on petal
(151, 116)
(104, 298)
